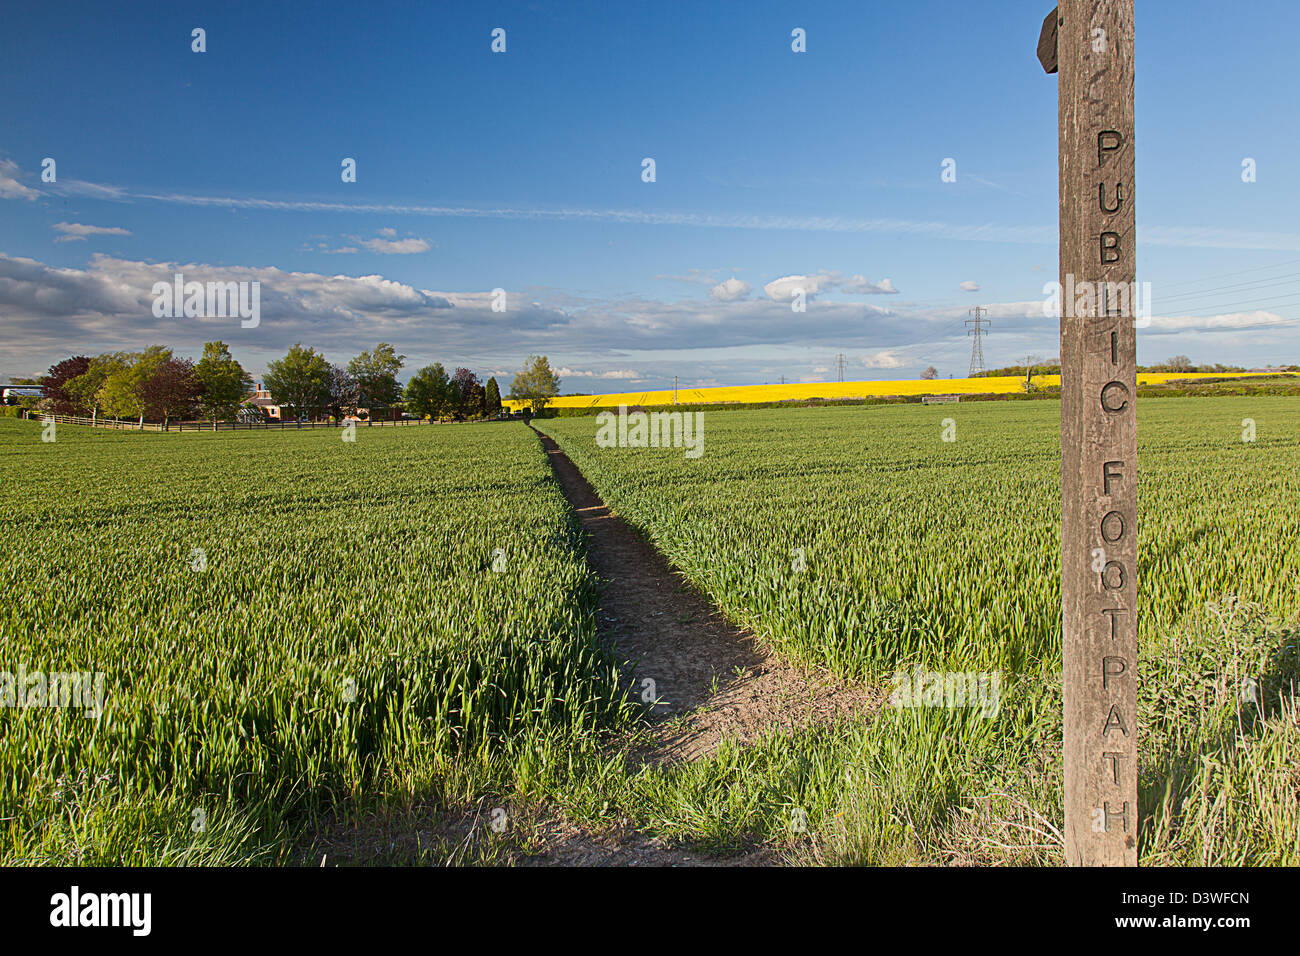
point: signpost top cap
(1047, 41)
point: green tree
(536, 384)
(376, 377)
(492, 397)
(467, 394)
(122, 394)
(300, 380)
(171, 391)
(150, 361)
(54, 385)
(428, 393)
(222, 380)
(117, 396)
(341, 392)
(84, 389)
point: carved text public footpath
(1094, 55)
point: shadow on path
(711, 679)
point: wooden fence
(136, 425)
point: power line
(1241, 272)
(1194, 297)
(1242, 302)
(1251, 285)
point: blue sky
(523, 171)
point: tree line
(154, 384)
(1176, 363)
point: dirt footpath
(712, 680)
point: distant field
(345, 647)
(920, 552)
(756, 394)
(919, 549)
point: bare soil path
(712, 681)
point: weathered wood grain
(1098, 430)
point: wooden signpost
(1090, 44)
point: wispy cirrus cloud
(397, 247)
(1229, 321)
(692, 277)
(79, 231)
(983, 232)
(81, 188)
(1044, 234)
(385, 243)
(618, 374)
(1211, 237)
(10, 187)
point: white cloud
(77, 231)
(111, 302)
(51, 312)
(1226, 321)
(386, 244)
(730, 290)
(886, 358)
(621, 373)
(10, 187)
(692, 277)
(783, 289)
(859, 285)
(970, 286)
(780, 290)
(397, 247)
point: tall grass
(284, 622)
(945, 555)
(349, 649)
(919, 550)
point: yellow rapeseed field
(800, 391)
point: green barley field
(294, 630)
(919, 552)
(285, 621)
(946, 553)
